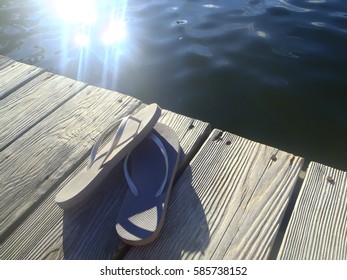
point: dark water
(272, 71)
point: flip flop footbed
(134, 130)
(141, 216)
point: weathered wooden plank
(40, 159)
(228, 204)
(5, 61)
(31, 103)
(191, 132)
(88, 231)
(318, 226)
(15, 75)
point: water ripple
(251, 60)
(201, 50)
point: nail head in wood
(330, 180)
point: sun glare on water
(107, 29)
(76, 11)
(115, 32)
(82, 40)
(92, 31)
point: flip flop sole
(141, 217)
(86, 182)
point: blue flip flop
(149, 170)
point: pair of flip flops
(151, 151)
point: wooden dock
(228, 201)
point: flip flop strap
(115, 141)
(131, 183)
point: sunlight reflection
(94, 31)
(82, 39)
(76, 11)
(115, 32)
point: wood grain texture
(5, 61)
(31, 103)
(191, 134)
(15, 75)
(42, 158)
(228, 204)
(88, 231)
(317, 229)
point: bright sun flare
(115, 32)
(76, 11)
(84, 12)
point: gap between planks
(318, 226)
(32, 103)
(14, 75)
